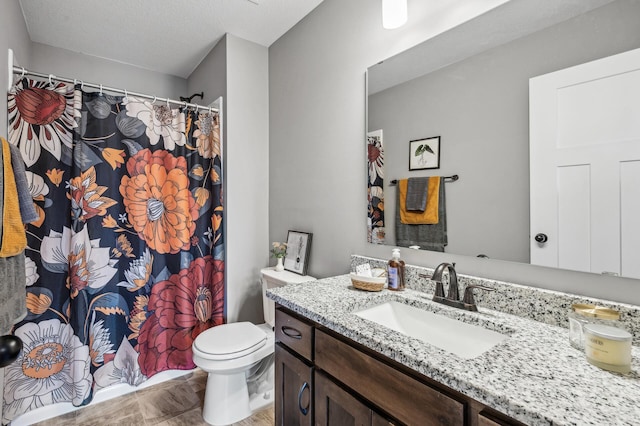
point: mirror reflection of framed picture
(298, 247)
(424, 153)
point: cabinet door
(378, 420)
(335, 406)
(294, 385)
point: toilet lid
(231, 340)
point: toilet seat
(230, 341)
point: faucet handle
(439, 292)
(468, 294)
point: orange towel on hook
(14, 237)
(430, 214)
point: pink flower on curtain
(183, 306)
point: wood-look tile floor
(172, 403)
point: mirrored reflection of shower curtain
(125, 266)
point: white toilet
(239, 360)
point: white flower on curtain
(99, 341)
(139, 272)
(89, 265)
(123, 368)
(31, 271)
(52, 367)
(160, 120)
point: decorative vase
(279, 265)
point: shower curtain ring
(22, 73)
(154, 100)
(126, 96)
(168, 103)
(101, 89)
(51, 77)
(210, 110)
(185, 105)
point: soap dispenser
(395, 271)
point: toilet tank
(272, 279)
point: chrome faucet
(453, 296)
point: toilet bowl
(238, 358)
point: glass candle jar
(582, 314)
(608, 347)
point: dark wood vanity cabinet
(334, 381)
(293, 387)
(293, 370)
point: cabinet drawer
(486, 421)
(294, 333)
(407, 399)
(489, 418)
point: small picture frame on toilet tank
(298, 248)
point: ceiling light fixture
(394, 13)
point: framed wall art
(298, 248)
(424, 153)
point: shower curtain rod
(23, 72)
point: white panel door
(585, 166)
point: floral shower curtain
(125, 265)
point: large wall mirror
(470, 87)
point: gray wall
(480, 109)
(237, 70)
(13, 34)
(317, 150)
(247, 175)
(65, 63)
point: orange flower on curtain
(158, 201)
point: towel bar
(451, 178)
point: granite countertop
(535, 376)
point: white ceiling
(141, 32)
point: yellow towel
(430, 214)
(14, 237)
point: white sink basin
(464, 340)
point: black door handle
(541, 238)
